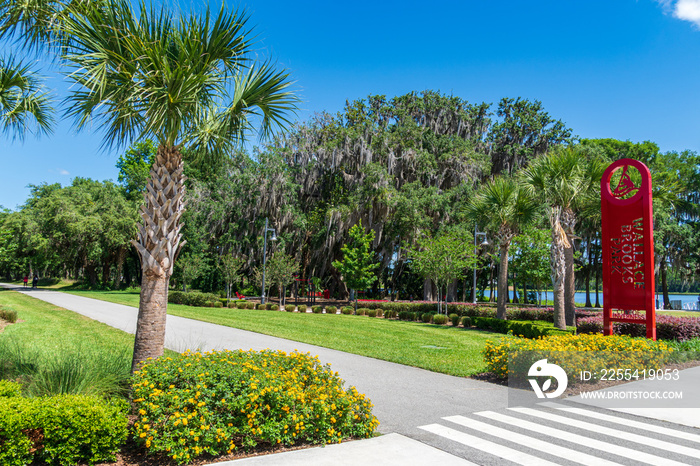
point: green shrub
(268, 306)
(176, 297)
(369, 312)
(361, 311)
(404, 315)
(274, 307)
(224, 301)
(193, 298)
(8, 315)
(61, 430)
(290, 308)
(524, 329)
(347, 310)
(218, 402)
(302, 308)
(260, 307)
(317, 309)
(466, 321)
(390, 314)
(331, 309)
(218, 304)
(380, 313)
(454, 318)
(232, 305)
(426, 317)
(439, 319)
(9, 389)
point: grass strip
(52, 350)
(432, 347)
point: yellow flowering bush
(513, 355)
(216, 402)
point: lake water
(689, 302)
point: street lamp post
(273, 238)
(485, 243)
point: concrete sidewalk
(387, 450)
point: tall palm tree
(566, 181)
(504, 208)
(182, 81)
(25, 105)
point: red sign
(628, 246)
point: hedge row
(472, 310)
(60, 430)
(667, 327)
(194, 298)
(519, 328)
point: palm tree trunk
(664, 284)
(502, 293)
(150, 324)
(491, 293)
(558, 265)
(588, 272)
(569, 284)
(158, 243)
(568, 222)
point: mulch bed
(132, 455)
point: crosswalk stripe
(486, 446)
(626, 422)
(536, 444)
(614, 433)
(571, 437)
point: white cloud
(63, 172)
(686, 10)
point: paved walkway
(432, 418)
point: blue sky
(622, 69)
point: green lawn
(436, 348)
(49, 326)
(52, 350)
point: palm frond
(151, 74)
(25, 104)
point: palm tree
(566, 181)
(25, 105)
(504, 208)
(182, 81)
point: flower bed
(574, 352)
(217, 402)
(667, 327)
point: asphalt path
(404, 397)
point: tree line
(416, 169)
